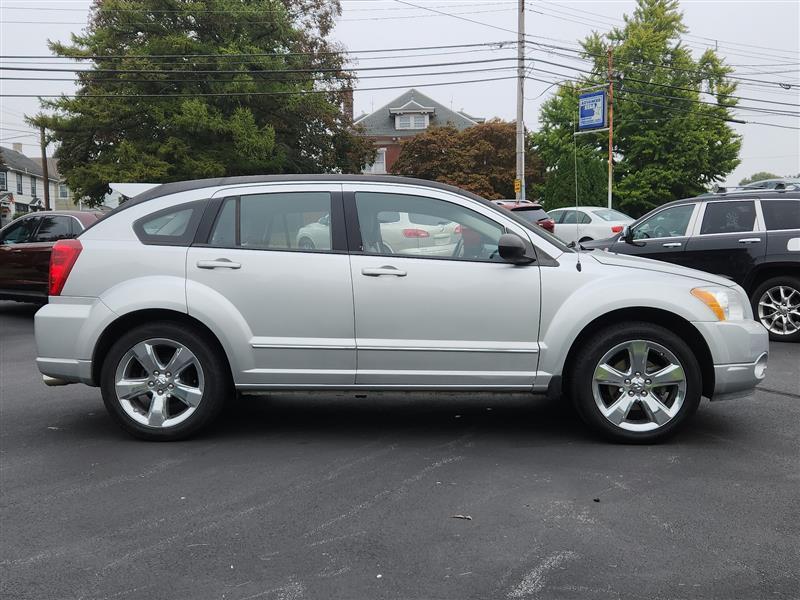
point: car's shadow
(18, 310)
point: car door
(36, 258)
(286, 309)
(425, 318)
(14, 244)
(661, 235)
(728, 241)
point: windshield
(608, 214)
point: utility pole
(43, 144)
(610, 122)
(519, 184)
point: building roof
(381, 121)
(52, 166)
(16, 161)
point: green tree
(671, 135)
(480, 159)
(235, 87)
(760, 176)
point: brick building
(406, 116)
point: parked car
(25, 246)
(400, 231)
(587, 223)
(530, 211)
(751, 237)
(781, 183)
(169, 320)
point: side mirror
(513, 249)
(627, 235)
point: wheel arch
(657, 316)
(120, 325)
(767, 271)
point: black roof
(748, 194)
(166, 189)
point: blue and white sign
(592, 110)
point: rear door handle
(749, 240)
(672, 245)
(220, 263)
(385, 270)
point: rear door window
(277, 221)
(54, 228)
(728, 217)
(781, 214)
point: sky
(760, 35)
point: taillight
(547, 224)
(62, 259)
(415, 233)
(616, 228)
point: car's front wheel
(636, 382)
(164, 381)
(776, 304)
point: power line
(499, 44)
(265, 71)
(286, 93)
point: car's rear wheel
(636, 382)
(164, 381)
(776, 305)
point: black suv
(749, 236)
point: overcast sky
(762, 36)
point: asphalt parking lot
(354, 498)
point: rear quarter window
(781, 214)
(173, 226)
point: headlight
(726, 303)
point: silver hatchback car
(195, 290)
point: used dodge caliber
(195, 290)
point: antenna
(577, 228)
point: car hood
(647, 264)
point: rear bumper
(66, 331)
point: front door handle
(384, 270)
(672, 245)
(220, 263)
(749, 240)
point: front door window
(667, 223)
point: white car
(586, 223)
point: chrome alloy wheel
(159, 383)
(779, 310)
(639, 385)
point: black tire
(785, 281)
(580, 379)
(217, 388)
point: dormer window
(411, 121)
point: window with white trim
(379, 166)
(33, 186)
(3, 181)
(63, 192)
(19, 183)
(412, 121)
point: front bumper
(739, 350)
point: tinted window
(173, 226)
(288, 221)
(532, 215)
(570, 216)
(670, 222)
(54, 228)
(435, 228)
(19, 232)
(557, 216)
(781, 214)
(728, 217)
